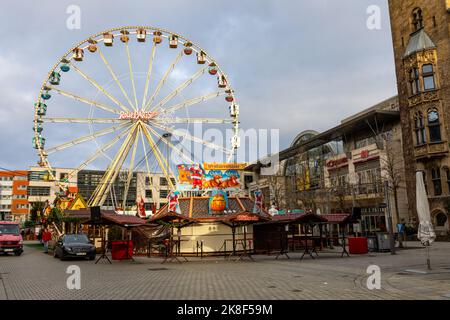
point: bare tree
(393, 167)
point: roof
(336, 217)
(198, 208)
(418, 41)
(310, 217)
(109, 217)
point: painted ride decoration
(218, 201)
(209, 176)
(258, 206)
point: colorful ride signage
(209, 176)
(137, 115)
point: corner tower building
(421, 40)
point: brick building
(421, 41)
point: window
(163, 193)
(434, 127)
(162, 181)
(21, 206)
(414, 81)
(21, 187)
(417, 19)
(173, 181)
(39, 191)
(148, 181)
(148, 193)
(441, 219)
(447, 174)
(436, 178)
(428, 77)
(419, 128)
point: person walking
(46, 237)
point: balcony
(423, 97)
(436, 149)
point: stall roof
(197, 208)
(109, 216)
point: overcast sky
(294, 65)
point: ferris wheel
(131, 93)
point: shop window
(414, 81)
(436, 178)
(441, 219)
(434, 126)
(428, 77)
(417, 19)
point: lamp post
(389, 216)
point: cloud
(294, 65)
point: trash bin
(372, 243)
(383, 241)
(122, 250)
(357, 245)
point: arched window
(417, 19)
(441, 219)
(428, 77)
(419, 128)
(447, 176)
(414, 81)
(436, 178)
(434, 126)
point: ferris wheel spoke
(187, 135)
(180, 88)
(130, 168)
(88, 137)
(192, 101)
(81, 120)
(149, 72)
(194, 120)
(100, 88)
(171, 145)
(145, 153)
(105, 147)
(130, 67)
(158, 158)
(85, 100)
(164, 79)
(110, 175)
(113, 74)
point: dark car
(74, 246)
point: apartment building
(13, 195)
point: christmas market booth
(306, 232)
(106, 230)
(211, 225)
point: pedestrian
(46, 237)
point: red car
(10, 238)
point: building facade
(421, 41)
(344, 169)
(13, 195)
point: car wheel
(17, 253)
(92, 257)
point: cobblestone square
(36, 275)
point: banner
(209, 176)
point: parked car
(10, 238)
(74, 246)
